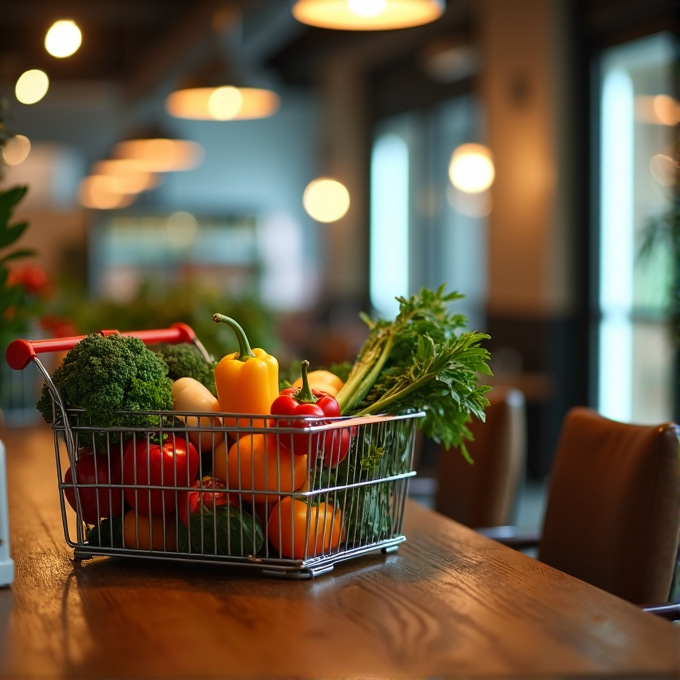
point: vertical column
(531, 298)
(523, 85)
(345, 157)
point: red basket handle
(21, 352)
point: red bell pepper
(302, 403)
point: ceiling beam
(172, 49)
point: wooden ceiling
(121, 38)
(140, 44)
(117, 35)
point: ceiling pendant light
(63, 39)
(130, 174)
(155, 151)
(101, 192)
(471, 169)
(326, 200)
(219, 91)
(367, 15)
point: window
(424, 232)
(638, 115)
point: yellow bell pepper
(322, 380)
(246, 381)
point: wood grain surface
(449, 603)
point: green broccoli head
(184, 360)
(105, 375)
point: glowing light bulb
(666, 109)
(160, 155)
(225, 102)
(326, 200)
(63, 38)
(32, 86)
(367, 8)
(471, 169)
(16, 150)
(102, 193)
(367, 15)
(132, 176)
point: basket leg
(80, 555)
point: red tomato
(99, 501)
(170, 464)
(189, 502)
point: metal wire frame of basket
(255, 504)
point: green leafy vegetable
(419, 361)
(342, 370)
(369, 480)
(107, 374)
(185, 360)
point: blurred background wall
(382, 112)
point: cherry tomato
(149, 533)
(288, 528)
(255, 464)
(99, 501)
(170, 464)
(190, 502)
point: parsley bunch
(420, 361)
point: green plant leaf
(10, 233)
(25, 252)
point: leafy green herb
(420, 362)
(342, 370)
(365, 479)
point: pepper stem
(244, 352)
(305, 394)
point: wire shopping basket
(222, 488)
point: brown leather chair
(483, 494)
(613, 511)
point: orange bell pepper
(246, 381)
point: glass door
(638, 119)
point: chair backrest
(483, 494)
(613, 511)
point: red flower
(30, 276)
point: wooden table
(448, 603)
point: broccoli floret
(105, 375)
(184, 360)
